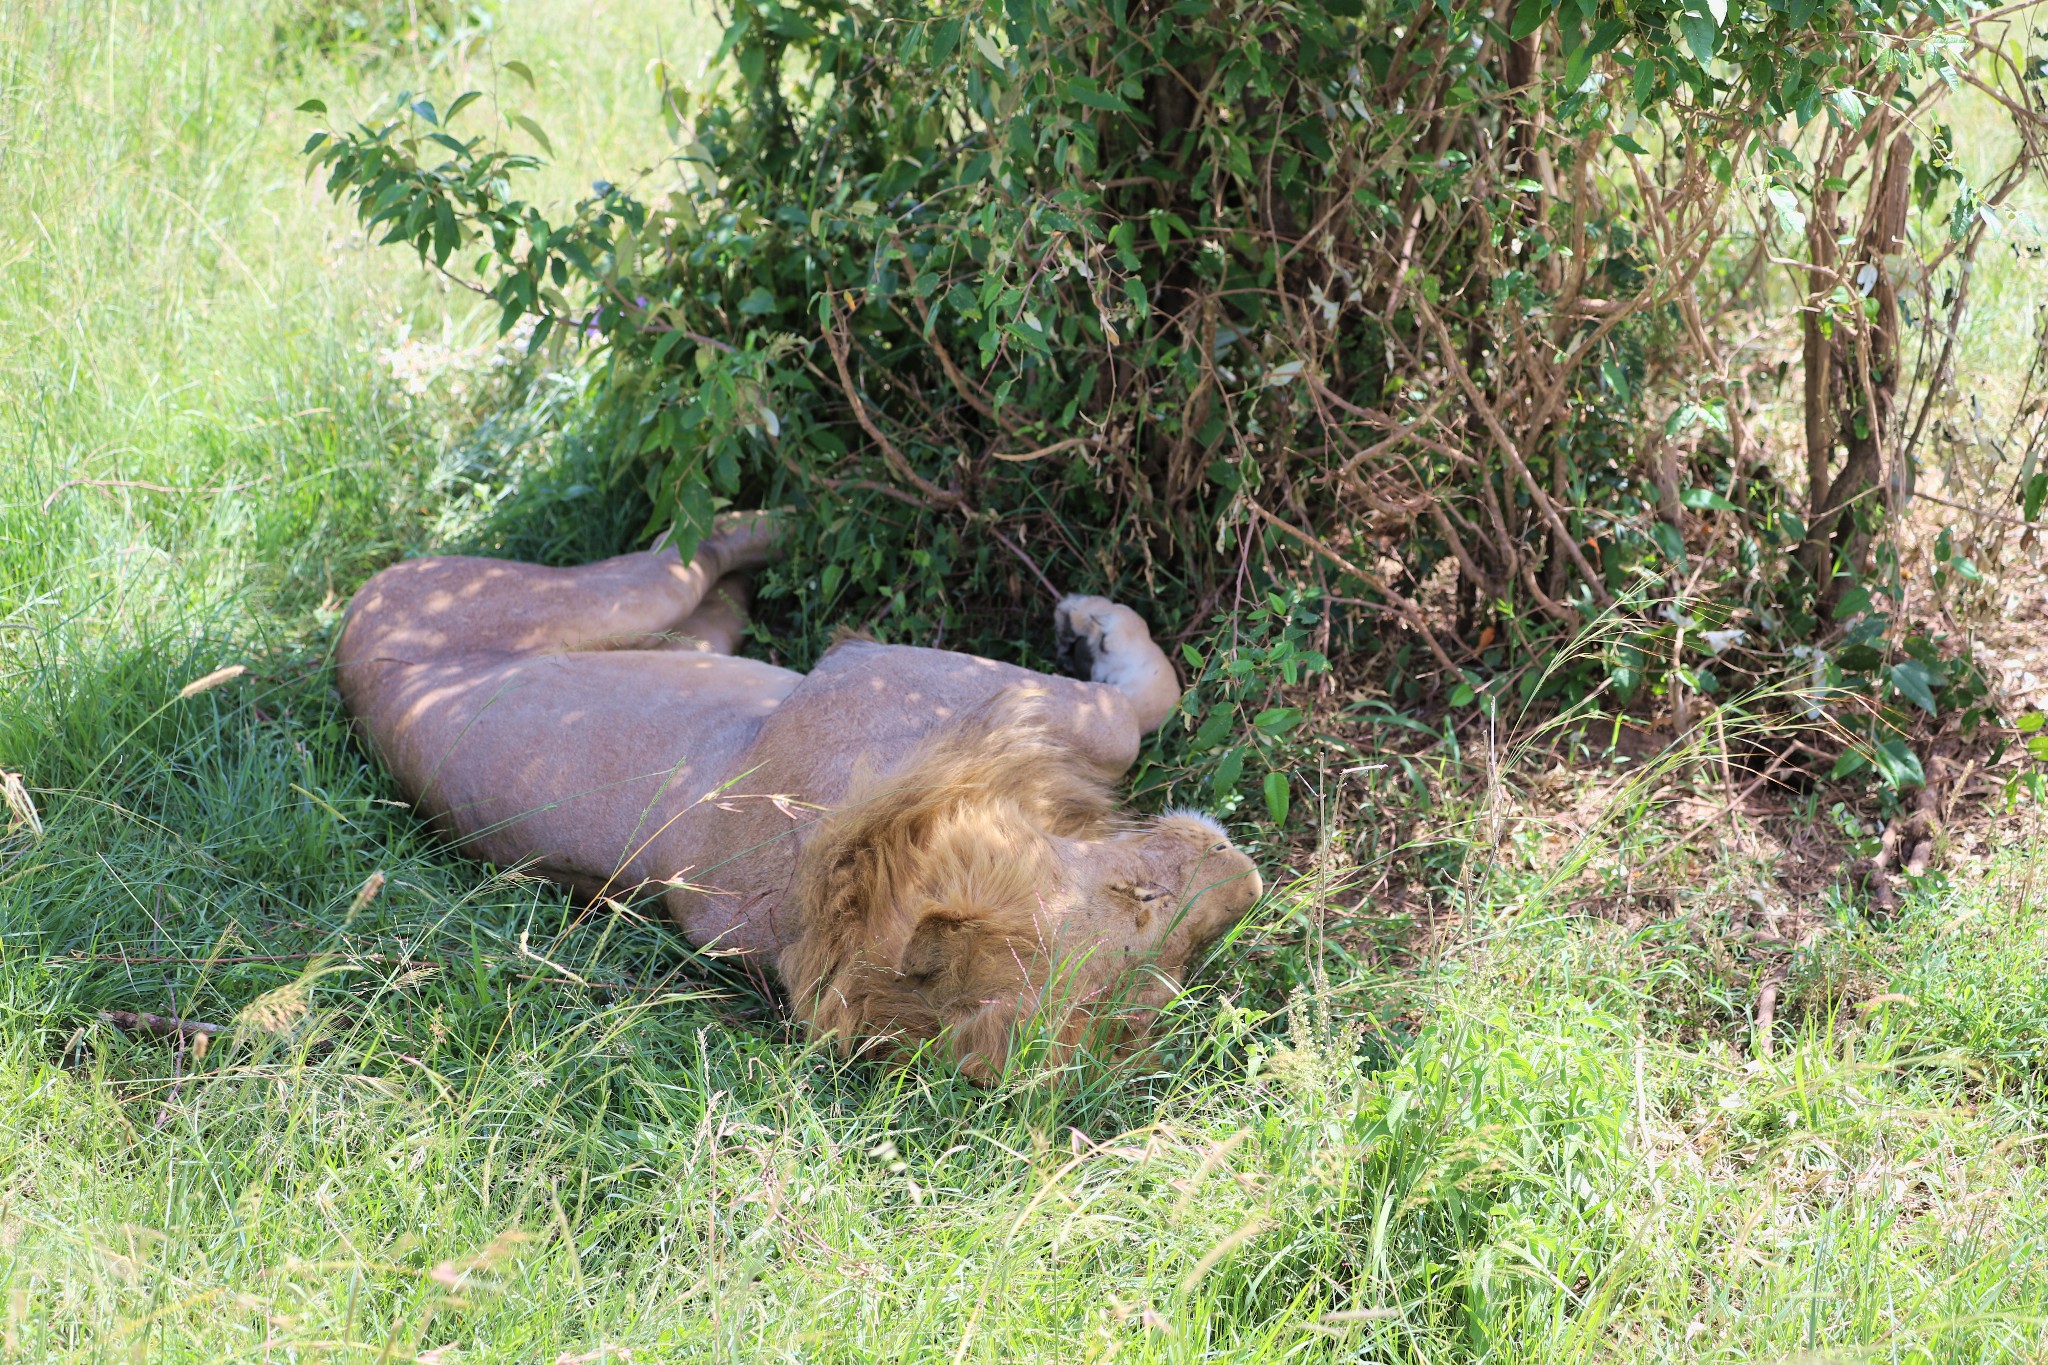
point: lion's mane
(925, 885)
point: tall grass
(456, 1117)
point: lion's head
(989, 880)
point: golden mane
(923, 886)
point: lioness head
(989, 882)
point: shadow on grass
(205, 854)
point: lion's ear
(962, 966)
(948, 941)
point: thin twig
(1491, 420)
(1052, 449)
(1998, 517)
(1029, 562)
(1404, 609)
(837, 343)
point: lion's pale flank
(924, 846)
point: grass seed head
(21, 807)
(212, 680)
(277, 1011)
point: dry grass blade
(1252, 1228)
(21, 807)
(212, 680)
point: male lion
(922, 843)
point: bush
(1428, 315)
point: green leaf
(447, 234)
(1529, 16)
(521, 70)
(312, 107)
(1277, 796)
(1216, 728)
(2030, 722)
(1899, 764)
(1607, 35)
(1791, 217)
(1277, 720)
(534, 131)
(1916, 682)
(1615, 378)
(2034, 495)
(1463, 695)
(1578, 66)
(462, 102)
(1229, 768)
(1082, 90)
(1706, 500)
(1700, 35)
(1629, 144)
(1852, 760)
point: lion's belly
(592, 766)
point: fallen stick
(1766, 1013)
(162, 1025)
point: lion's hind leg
(423, 608)
(720, 620)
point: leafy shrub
(1426, 312)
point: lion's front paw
(1101, 640)
(1078, 627)
(1106, 642)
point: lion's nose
(1255, 885)
(1229, 884)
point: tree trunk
(1864, 405)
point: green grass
(483, 1125)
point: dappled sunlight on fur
(923, 845)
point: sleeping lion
(922, 845)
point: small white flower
(1718, 640)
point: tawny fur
(923, 845)
(919, 900)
